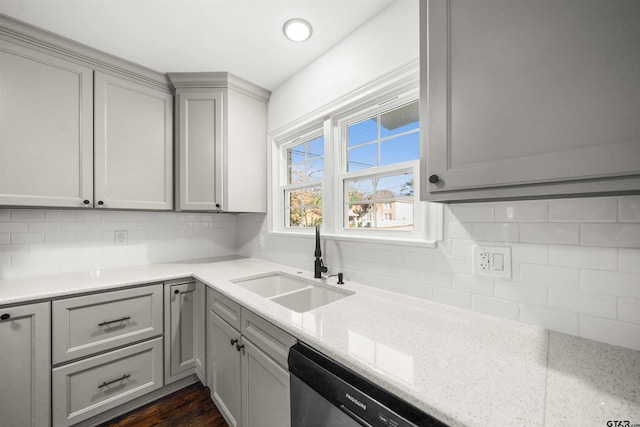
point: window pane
(359, 190)
(394, 186)
(304, 207)
(362, 157)
(315, 148)
(380, 202)
(361, 132)
(360, 215)
(305, 161)
(400, 120)
(400, 149)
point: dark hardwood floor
(190, 406)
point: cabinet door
(26, 365)
(530, 94)
(180, 329)
(224, 368)
(46, 129)
(265, 392)
(133, 145)
(200, 148)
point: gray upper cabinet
(133, 145)
(80, 128)
(529, 99)
(221, 143)
(46, 129)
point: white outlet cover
(484, 265)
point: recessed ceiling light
(297, 30)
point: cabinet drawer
(89, 324)
(224, 307)
(91, 386)
(269, 338)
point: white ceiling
(243, 37)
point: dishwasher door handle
(355, 416)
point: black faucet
(319, 266)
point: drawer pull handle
(114, 321)
(106, 383)
(240, 347)
(233, 342)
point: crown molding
(220, 80)
(31, 36)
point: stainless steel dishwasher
(327, 394)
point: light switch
(498, 262)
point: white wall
(40, 241)
(386, 42)
(576, 263)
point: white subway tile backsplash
(5, 215)
(474, 284)
(462, 248)
(610, 283)
(11, 227)
(585, 303)
(514, 291)
(584, 257)
(597, 209)
(496, 232)
(475, 212)
(495, 307)
(535, 211)
(87, 216)
(454, 264)
(612, 235)
(5, 238)
(452, 297)
(563, 234)
(629, 260)
(457, 230)
(436, 278)
(44, 227)
(58, 216)
(27, 215)
(418, 290)
(629, 310)
(530, 253)
(549, 275)
(629, 209)
(610, 332)
(26, 238)
(556, 320)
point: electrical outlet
(121, 238)
(492, 261)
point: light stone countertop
(465, 368)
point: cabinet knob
(100, 202)
(240, 347)
(233, 342)
(434, 178)
(176, 291)
(86, 202)
(218, 205)
(5, 316)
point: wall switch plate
(492, 261)
(121, 238)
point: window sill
(360, 239)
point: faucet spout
(318, 267)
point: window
(378, 181)
(353, 167)
(303, 187)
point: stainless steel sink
(295, 293)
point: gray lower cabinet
(529, 98)
(107, 350)
(184, 304)
(25, 343)
(91, 386)
(247, 367)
